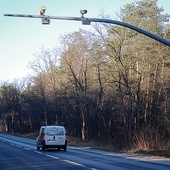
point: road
(20, 153)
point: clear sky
(21, 38)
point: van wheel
(65, 148)
(43, 148)
(38, 148)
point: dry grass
(90, 144)
(162, 153)
(150, 146)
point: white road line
(73, 163)
(37, 152)
(52, 156)
(11, 143)
(18, 146)
(27, 149)
(93, 169)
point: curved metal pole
(142, 31)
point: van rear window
(55, 131)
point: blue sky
(21, 38)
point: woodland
(110, 85)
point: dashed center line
(38, 152)
(27, 149)
(73, 163)
(52, 156)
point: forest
(110, 85)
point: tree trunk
(83, 130)
(147, 94)
(130, 120)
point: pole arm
(142, 31)
(109, 21)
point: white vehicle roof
(54, 130)
(57, 126)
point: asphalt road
(21, 154)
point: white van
(52, 137)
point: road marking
(18, 146)
(27, 149)
(93, 169)
(73, 163)
(38, 152)
(52, 156)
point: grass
(161, 153)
